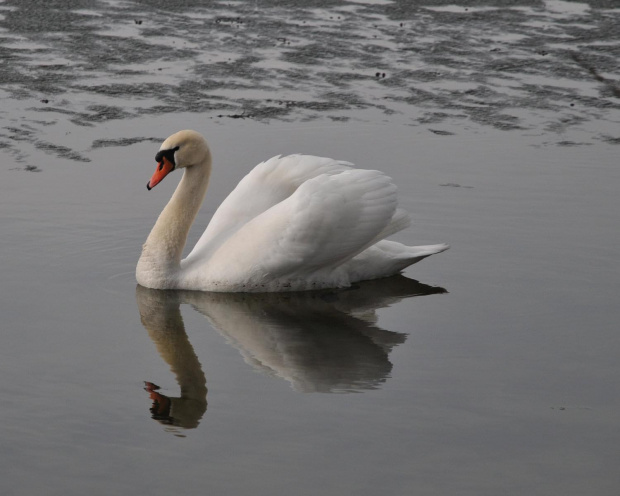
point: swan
(294, 223)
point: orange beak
(164, 168)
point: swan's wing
(268, 184)
(326, 221)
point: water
(488, 369)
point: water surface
(488, 369)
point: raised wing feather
(268, 184)
(334, 218)
(329, 219)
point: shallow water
(489, 369)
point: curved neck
(162, 251)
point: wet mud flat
(547, 69)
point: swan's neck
(160, 261)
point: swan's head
(183, 149)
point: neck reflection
(161, 316)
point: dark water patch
(507, 65)
(455, 185)
(191, 90)
(102, 113)
(613, 87)
(243, 115)
(253, 111)
(488, 116)
(319, 53)
(60, 151)
(346, 79)
(568, 143)
(436, 117)
(31, 80)
(81, 123)
(175, 6)
(228, 20)
(104, 143)
(18, 93)
(96, 51)
(611, 140)
(19, 133)
(338, 118)
(422, 75)
(485, 112)
(28, 134)
(95, 114)
(122, 90)
(35, 17)
(27, 168)
(158, 110)
(120, 50)
(55, 109)
(564, 122)
(334, 101)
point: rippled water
(489, 369)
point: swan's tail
(387, 258)
(427, 250)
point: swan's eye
(169, 154)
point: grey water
(489, 369)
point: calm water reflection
(323, 341)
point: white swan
(293, 223)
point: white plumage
(293, 223)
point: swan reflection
(319, 341)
